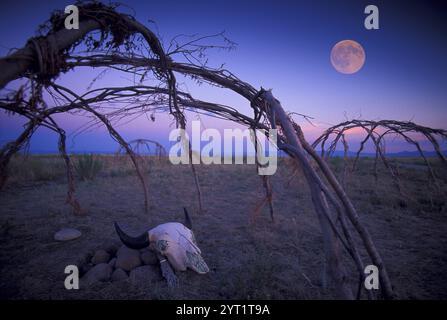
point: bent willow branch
(128, 47)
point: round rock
(67, 234)
(112, 262)
(127, 259)
(85, 268)
(100, 256)
(100, 272)
(118, 275)
(112, 249)
(148, 257)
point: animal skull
(172, 240)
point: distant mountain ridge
(400, 154)
(338, 153)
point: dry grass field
(248, 258)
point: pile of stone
(124, 264)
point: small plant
(88, 167)
(36, 168)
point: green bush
(88, 167)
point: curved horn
(188, 222)
(140, 242)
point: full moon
(347, 56)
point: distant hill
(401, 154)
(338, 153)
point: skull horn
(140, 242)
(188, 222)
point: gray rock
(85, 268)
(100, 272)
(67, 234)
(144, 275)
(118, 275)
(100, 256)
(127, 259)
(112, 249)
(148, 257)
(112, 262)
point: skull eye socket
(161, 245)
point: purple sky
(282, 45)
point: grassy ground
(248, 260)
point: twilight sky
(283, 45)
